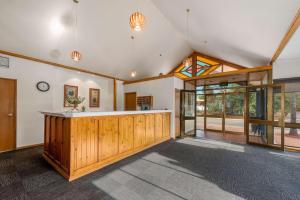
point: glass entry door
(234, 112)
(215, 112)
(188, 113)
(266, 116)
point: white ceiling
(292, 49)
(104, 35)
(241, 31)
(245, 32)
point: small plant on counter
(75, 101)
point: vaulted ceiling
(244, 32)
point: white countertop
(95, 114)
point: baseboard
(30, 146)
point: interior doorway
(8, 91)
(130, 101)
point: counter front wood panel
(125, 134)
(78, 146)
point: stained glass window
(204, 67)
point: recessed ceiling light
(56, 27)
(133, 73)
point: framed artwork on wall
(69, 90)
(94, 98)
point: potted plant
(75, 101)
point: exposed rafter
(292, 29)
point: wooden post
(115, 94)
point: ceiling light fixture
(133, 73)
(137, 21)
(75, 55)
(188, 61)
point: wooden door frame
(125, 99)
(15, 113)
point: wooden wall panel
(65, 156)
(86, 142)
(166, 125)
(139, 131)
(108, 137)
(158, 126)
(47, 134)
(52, 148)
(150, 129)
(125, 133)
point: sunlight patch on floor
(212, 144)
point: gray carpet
(186, 169)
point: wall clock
(43, 86)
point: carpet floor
(184, 169)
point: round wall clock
(43, 86)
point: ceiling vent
(4, 62)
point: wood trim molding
(242, 71)
(115, 95)
(56, 64)
(292, 29)
(149, 79)
(225, 62)
(231, 64)
(30, 146)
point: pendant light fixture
(137, 20)
(188, 61)
(75, 54)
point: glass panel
(258, 78)
(228, 69)
(258, 103)
(200, 123)
(189, 85)
(218, 70)
(277, 136)
(234, 104)
(292, 137)
(276, 104)
(234, 125)
(214, 104)
(189, 104)
(258, 133)
(214, 123)
(292, 107)
(225, 85)
(189, 127)
(200, 105)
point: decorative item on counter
(75, 101)
(83, 109)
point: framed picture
(69, 90)
(94, 98)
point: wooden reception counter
(79, 143)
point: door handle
(10, 114)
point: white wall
(120, 96)
(163, 92)
(286, 68)
(30, 101)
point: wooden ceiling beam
(149, 79)
(57, 64)
(230, 73)
(221, 61)
(292, 29)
